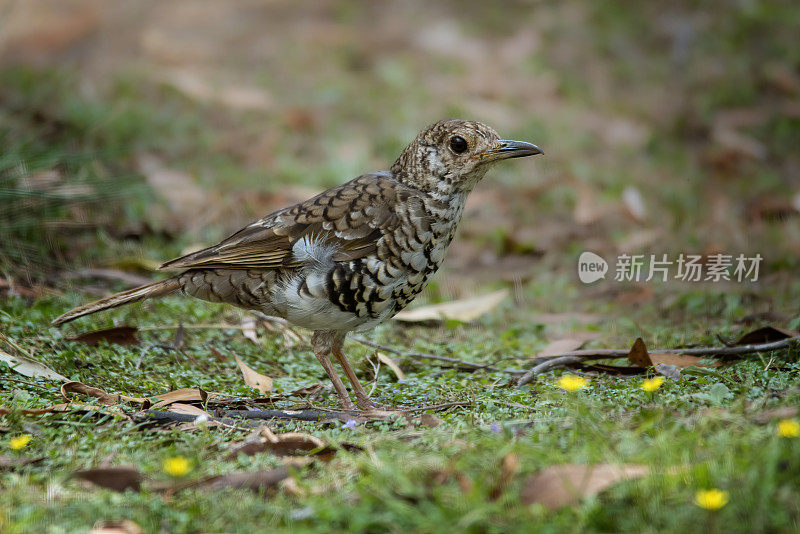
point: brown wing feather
(352, 216)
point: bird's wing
(350, 219)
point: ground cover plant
(667, 130)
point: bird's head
(453, 155)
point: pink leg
(361, 395)
(322, 343)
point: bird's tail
(156, 289)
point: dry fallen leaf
(29, 367)
(639, 357)
(7, 462)
(119, 335)
(782, 412)
(254, 379)
(766, 334)
(306, 391)
(429, 420)
(559, 485)
(464, 310)
(680, 360)
(182, 394)
(99, 394)
(57, 408)
(391, 364)
(509, 466)
(252, 480)
(118, 478)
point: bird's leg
(362, 399)
(322, 343)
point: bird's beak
(511, 149)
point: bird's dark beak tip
(515, 149)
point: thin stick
(423, 355)
(547, 365)
(564, 359)
(561, 358)
(598, 354)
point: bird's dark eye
(458, 144)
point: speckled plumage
(350, 257)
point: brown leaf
(182, 394)
(248, 448)
(641, 358)
(429, 420)
(294, 443)
(254, 379)
(559, 485)
(288, 444)
(463, 481)
(391, 364)
(680, 360)
(8, 462)
(638, 355)
(102, 396)
(29, 367)
(124, 526)
(782, 412)
(252, 480)
(56, 408)
(118, 478)
(165, 399)
(509, 466)
(119, 335)
(766, 334)
(464, 310)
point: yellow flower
(177, 466)
(652, 384)
(712, 499)
(572, 383)
(19, 442)
(788, 428)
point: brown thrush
(350, 257)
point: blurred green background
(133, 130)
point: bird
(349, 258)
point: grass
(609, 61)
(697, 433)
